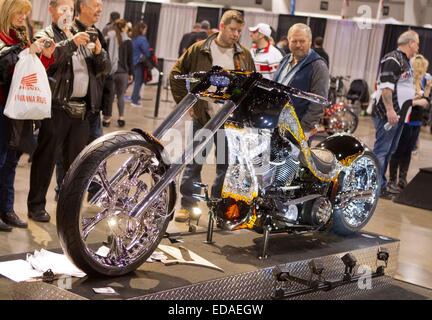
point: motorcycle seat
(324, 160)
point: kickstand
(267, 230)
(210, 227)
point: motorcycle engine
(276, 166)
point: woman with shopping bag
(14, 134)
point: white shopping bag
(30, 94)
(155, 76)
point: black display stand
(418, 192)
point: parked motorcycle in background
(346, 105)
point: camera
(93, 34)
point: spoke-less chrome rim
(360, 190)
(110, 236)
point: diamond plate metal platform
(244, 276)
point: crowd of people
(88, 67)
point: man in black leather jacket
(76, 72)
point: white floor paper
(36, 264)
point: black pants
(108, 96)
(401, 159)
(61, 132)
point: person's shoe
(39, 216)
(393, 188)
(134, 105)
(106, 124)
(182, 215)
(13, 220)
(121, 123)
(5, 227)
(386, 195)
(402, 184)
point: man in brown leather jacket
(220, 49)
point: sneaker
(402, 184)
(393, 188)
(134, 105)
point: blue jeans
(192, 173)
(386, 143)
(138, 82)
(8, 163)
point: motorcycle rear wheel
(362, 175)
(102, 186)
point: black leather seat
(324, 160)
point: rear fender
(345, 147)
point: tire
(71, 205)
(354, 123)
(339, 224)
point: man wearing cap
(306, 70)
(266, 56)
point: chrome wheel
(358, 194)
(343, 121)
(110, 236)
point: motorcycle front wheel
(106, 181)
(357, 196)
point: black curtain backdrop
(392, 33)
(133, 11)
(209, 14)
(285, 22)
(318, 27)
(151, 18)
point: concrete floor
(411, 225)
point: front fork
(192, 149)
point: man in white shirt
(220, 49)
(266, 56)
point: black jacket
(61, 73)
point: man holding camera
(75, 69)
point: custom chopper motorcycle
(111, 220)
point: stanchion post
(158, 93)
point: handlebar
(221, 78)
